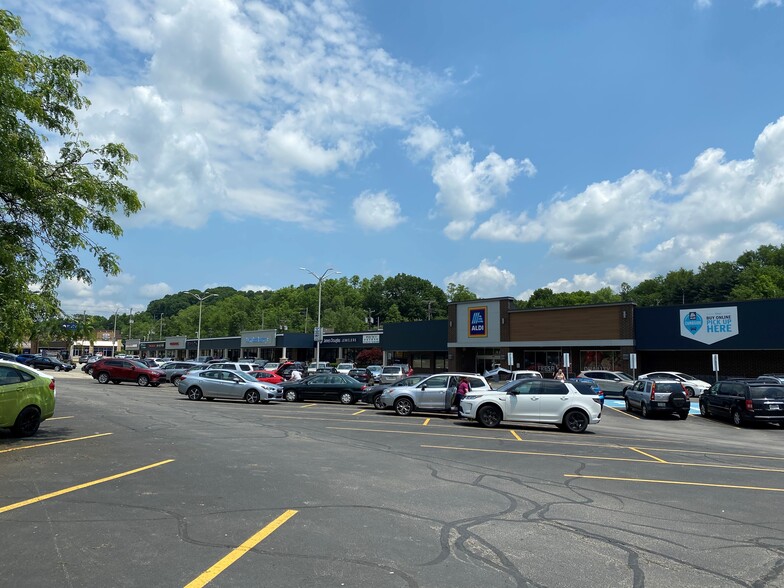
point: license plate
(774, 407)
(661, 404)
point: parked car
(692, 385)
(313, 366)
(284, 370)
(174, 370)
(525, 374)
(392, 373)
(234, 365)
(270, 366)
(23, 358)
(361, 375)
(587, 386)
(49, 363)
(232, 384)
(497, 374)
(372, 395)
(611, 383)
(110, 369)
(771, 378)
(744, 402)
(435, 393)
(344, 368)
(534, 400)
(7, 356)
(83, 358)
(657, 396)
(88, 366)
(267, 377)
(149, 362)
(376, 371)
(324, 387)
(27, 398)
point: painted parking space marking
(605, 458)
(309, 405)
(515, 435)
(622, 412)
(426, 423)
(221, 565)
(358, 412)
(57, 493)
(47, 443)
(675, 482)
(59, 418)
(647, 455)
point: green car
(27, 398)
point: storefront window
(606, 359)
(546, 362)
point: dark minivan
(744, 402)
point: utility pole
(130, 322)
(114, 333)
(160, 335)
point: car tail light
(51, 384)
(363, 388)
(653, 391)
(749, 405)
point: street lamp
(198, 333)
(320, 279)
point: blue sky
(503, 145)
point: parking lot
(131, 486)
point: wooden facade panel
(558, 324)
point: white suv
(344, 368)
(535, 401)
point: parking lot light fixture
(201, 298)
(320, 279)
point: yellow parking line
(309, 405)
(54, 442)
(601, 458)
(515, 435)
(79, 487)
(358, 412)
(426, 423)
(647, 455)
(59, 418)
(677, 482)
(622, 412)
(212, 572)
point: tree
(50, 210)
(459, 293)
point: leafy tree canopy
(50, 210)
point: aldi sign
(709, 325)
(477, 321)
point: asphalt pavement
(131, 486)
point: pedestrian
(559, 375)
(295, 375)
(463, 388)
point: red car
(116, 370)
(267, 377)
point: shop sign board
(477, 321)
(175, 342)
(709, 325)
(262, 338)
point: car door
(723, 400)
(12, 384)
(431, 392)
(553, 397)
(230, 386)
(316, 387)
(523, 401)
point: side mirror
(423, 387)
(512, 392)
(236, 380)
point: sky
(505, 145)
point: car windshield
(684, 376)
(765, 392)
(244, 376)
(391, 370)
(624, 376)
(139, 364)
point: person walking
(463, 388)
(295, 375)
(559, 375)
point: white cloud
(465, 187)
(702, 4)
(611, 278)
(254, 288)
(377, 211)
(761, 3)
(716, 210)
(485, 280)
(154, 291)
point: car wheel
(291, 396)
(689, 392)
(575, 421)
(347, 398)
(628, 405)
(377, 402)
(252, 396)
(27, 422)
(176, 380)
(684, 415)
(143, 380)
(404, 406)
(89, 371)
(644, 412)
(57, 368)
(489, 416)
(704, 411)
(737, 419)
(103, 378)
(194, 393)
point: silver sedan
(219, 383)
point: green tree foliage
(50, 211)
(459, 293)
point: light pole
(114, 333)
(201, 299)
(320, 279)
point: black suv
(651, 396)
(744, 402)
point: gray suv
(434, 393)
(392, 373)
(653, 396)
(611, 383)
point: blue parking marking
(693, 409)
